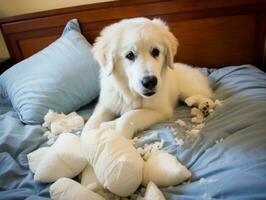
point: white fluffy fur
(122, 94)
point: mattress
(227, 158)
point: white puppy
(140, 84)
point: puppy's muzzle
(149, 83)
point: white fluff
(35, 157)
(67, 189)
(64, 159)
(61, 123)
(180, 122)
(179, 142)
(204, 181)
(50, 117)
(146, 151)
(198, 119)
(219, 141)
(199, 126)
(193, 132)
(70, 123)
(218, 102)
(117, 164)
(164, 170)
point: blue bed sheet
(227, 158)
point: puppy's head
(137, 50)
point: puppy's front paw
(204, 104)
(108, 125)
(204, 108)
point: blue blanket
(227, 158)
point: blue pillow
(62, 77)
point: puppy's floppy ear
(103, 53)
(170, 41)
(171, 49)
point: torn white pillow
(67, 189)
(64, 159)
(89, 179)
(35, 157)
(116, 163)
(153, 193)
(164, 170)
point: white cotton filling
(193, 132)
(146, 151)
(204, 181)
(199, 126)
(180, 122)
(179, 142)
(219, 141)
(198, 119)
(172, 129)
(218, 102)
(58, 123)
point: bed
(228, 157)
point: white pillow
(67, 189)
(62, 77)
(153, 193)
(64, 159)
(89, 179)
(164, 170)
(35, 157)
(116, 163)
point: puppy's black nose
(149, 82)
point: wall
(17, 7)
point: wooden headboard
(212, 33)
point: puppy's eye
(131, 56)
(155, 52)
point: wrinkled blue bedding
(227, 158)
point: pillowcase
(116, 163)
(62, 77)
(64, 159)
(164, 170)
(65, 188)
